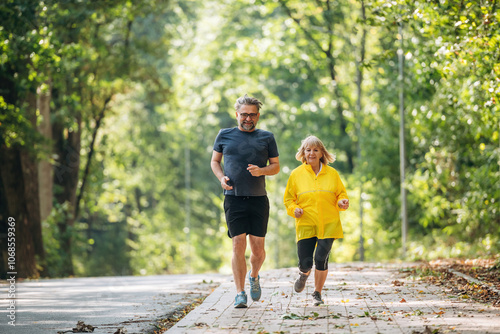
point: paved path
(358, 299)
(108, 303)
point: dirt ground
(481, 281)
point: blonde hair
(313, 141)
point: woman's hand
(298, 212)
(343, 204)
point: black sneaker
(317, 298)
(300, 283)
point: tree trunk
(19, 185)
(67, 147)
(359, 122)
(29, 167)
(45, 171)
(20, 180)
(15, 182)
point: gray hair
(247, 100)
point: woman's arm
(290, 198)
(342, 199)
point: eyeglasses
(245, 115)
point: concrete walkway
(131, 303)
(359, 298)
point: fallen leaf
(200, 324)
(397, 283)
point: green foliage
(163, 76)
(52, 240)
(25, 50)
(454, 153)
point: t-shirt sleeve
(273, 147)
(218, 142)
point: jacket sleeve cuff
(291, 210)
(342, 196)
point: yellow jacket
(317, 195)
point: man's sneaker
(300, 283)
(255, 290)
(241, 300)
(317, 298)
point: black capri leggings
(305, 250)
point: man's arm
(272, 169)
(217, 169)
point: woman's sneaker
(317, 298)
(300, 283)
(241, 300)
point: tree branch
(90, 155)
(297, 21)
(126, 53)
(330, 25)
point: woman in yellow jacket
(314, 196)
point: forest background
(109, 110)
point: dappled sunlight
(360, 297)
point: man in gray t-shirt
(246, 151)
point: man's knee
(239, 243)
(259, 252)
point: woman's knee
(322, 254)
(306, 264)
(321, 265)
(305, 251)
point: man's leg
(258, 254)
(238, 262)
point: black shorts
(246, 214)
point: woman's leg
(305, 251)
(323, 249)
(319, 279)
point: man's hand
(343, 204)
(254, 170)
(298, 212)
(223, 182)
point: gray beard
(248, 127)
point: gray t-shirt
(241, 148)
